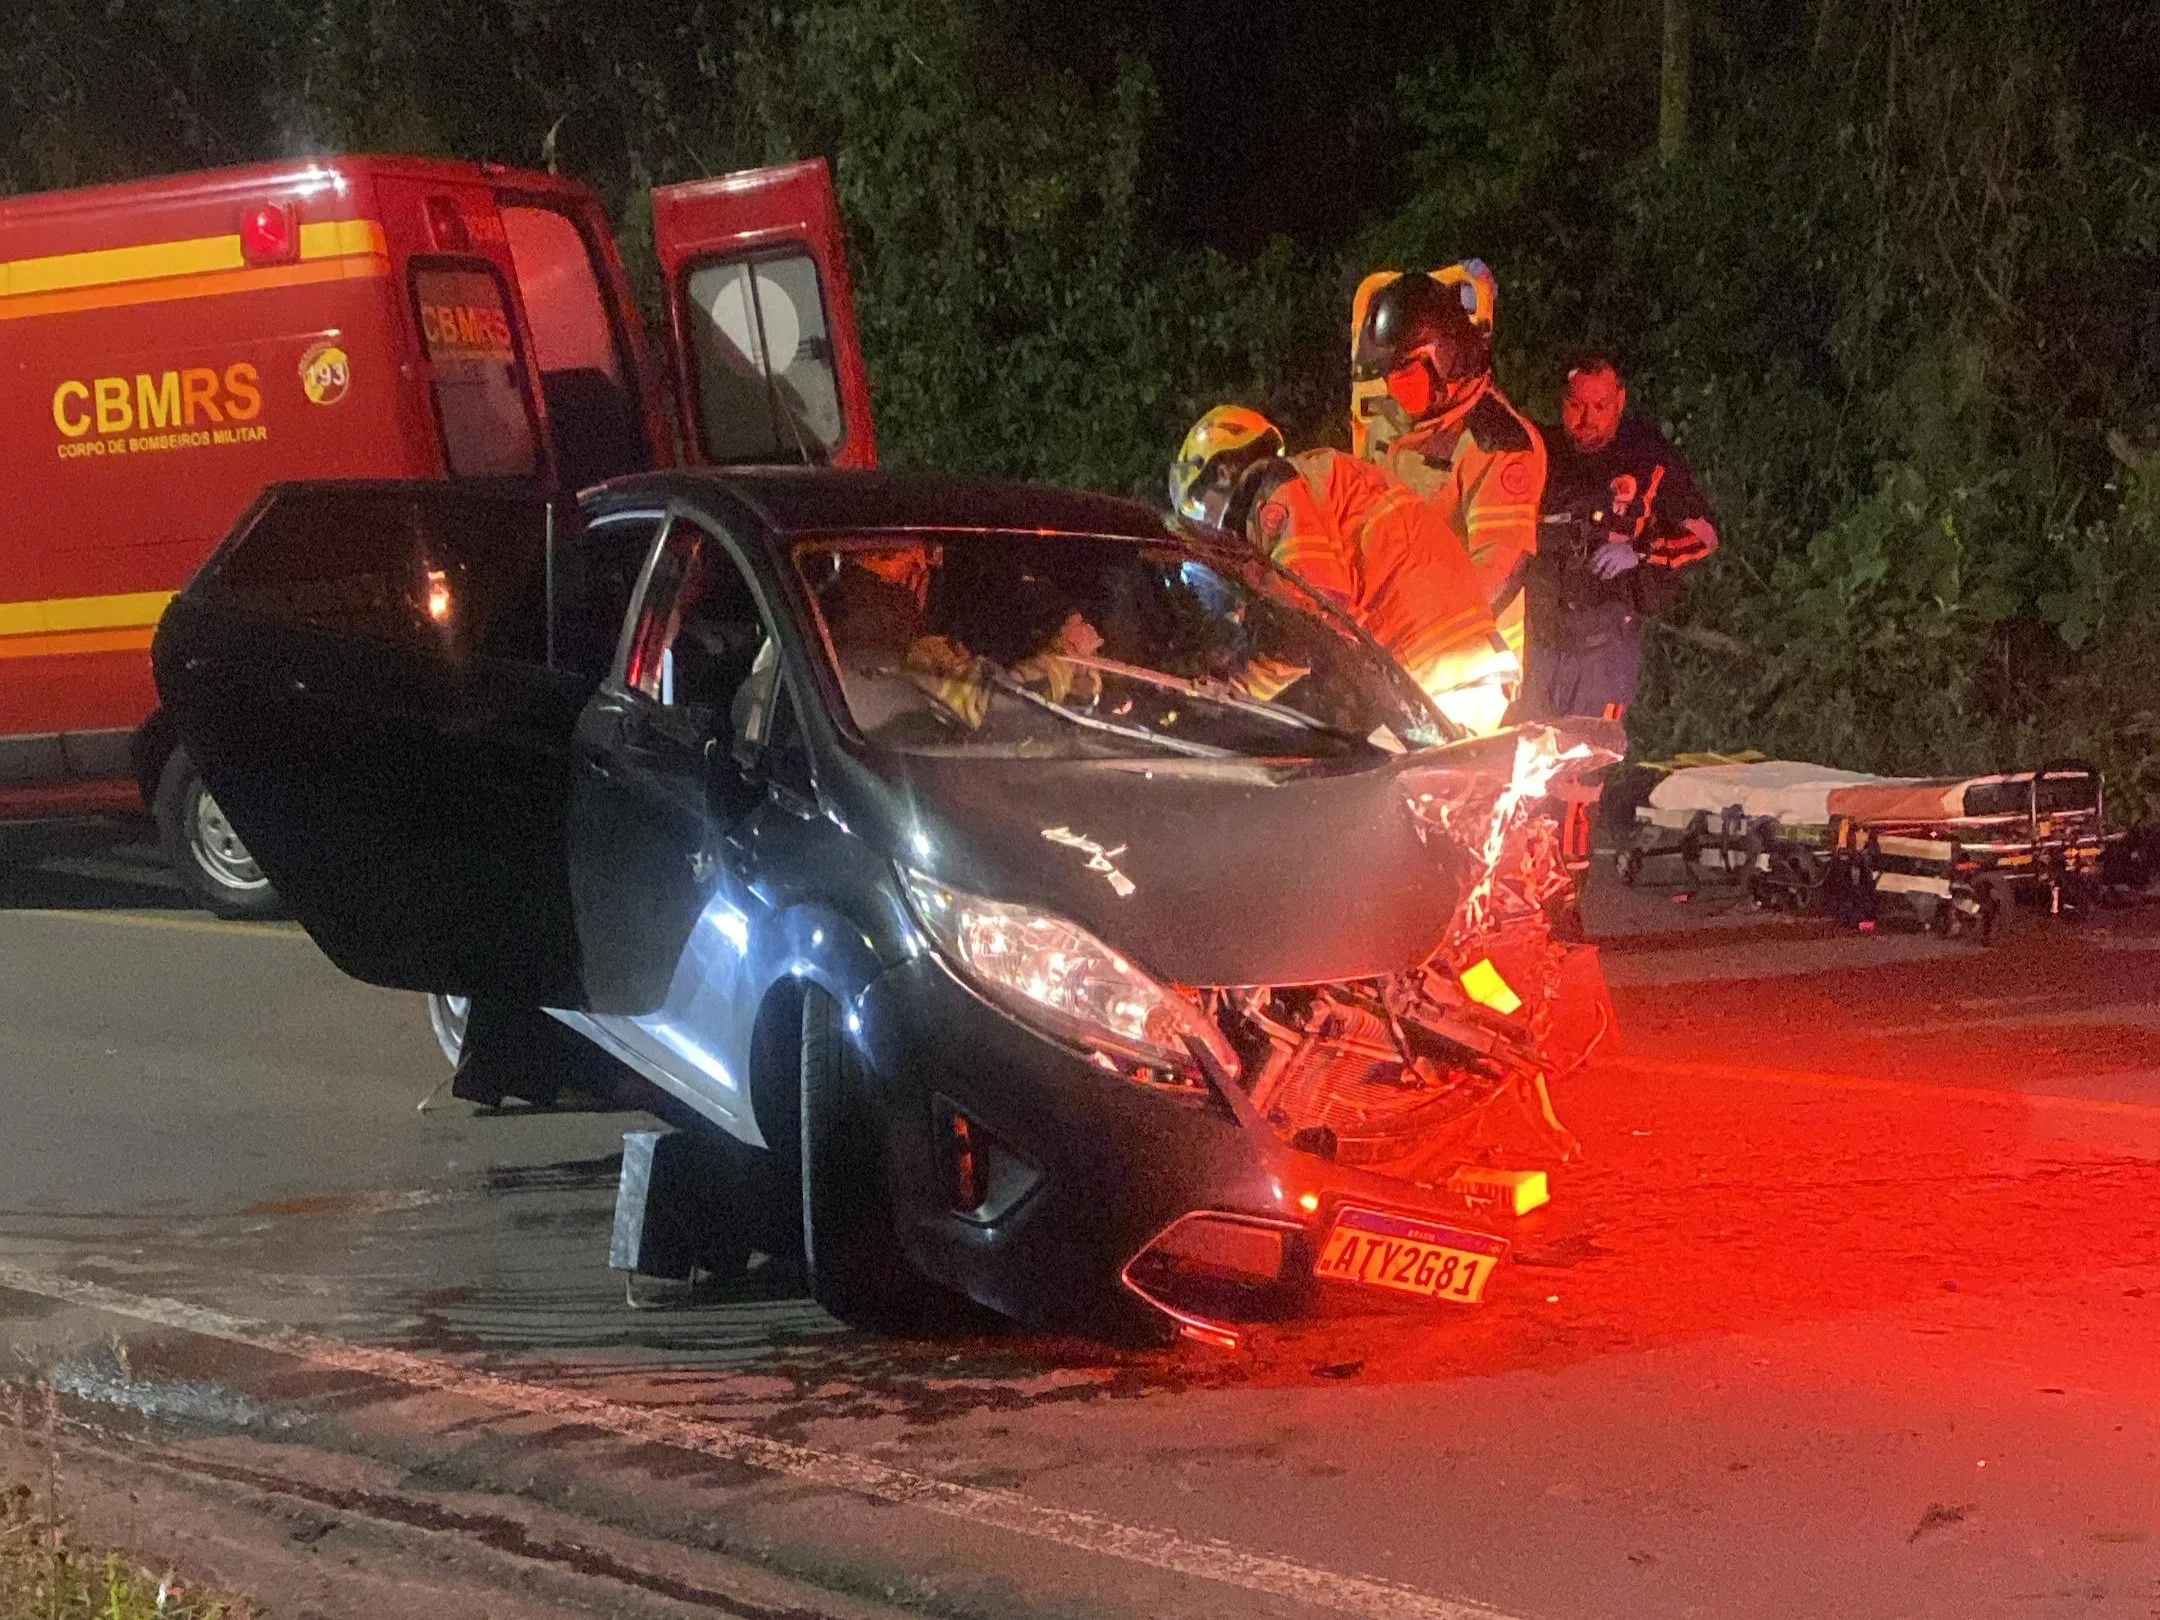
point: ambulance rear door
(447, 239)
(604, 418)
(768, 369)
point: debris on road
(1939, 1516)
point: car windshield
(1075, 646)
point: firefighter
(1623, 517)
(1362, 540)
(1473, 458)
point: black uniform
(1583, 635)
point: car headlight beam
(1058, 977)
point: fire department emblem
(325, 373)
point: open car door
(767, 365)
(363, 674)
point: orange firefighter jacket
(1482, 472)
(1379, 552)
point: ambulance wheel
(213, 865)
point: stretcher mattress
(1800, 795)
(1789, 792)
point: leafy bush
(1896, 299)
(46, 1574)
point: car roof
(823, 500)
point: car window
(596, 578)
(451, 572)
(1075, 645)
(767, 391)
(487, 424)
(697, 634)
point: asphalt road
(1854, 1309)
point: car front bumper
(1089, 1170)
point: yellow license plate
(1410, 1256)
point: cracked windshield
(1075, 647)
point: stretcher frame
(1955, 874)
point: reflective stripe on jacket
(1380, 552)
(1482, 472)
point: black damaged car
(1083, 916)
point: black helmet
(1414, 315)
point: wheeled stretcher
(1954, 851)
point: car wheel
(448, 1016)
(214, 866)
(851, 1246)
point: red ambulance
(169, 347)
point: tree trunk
(1673, 81)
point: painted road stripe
(1203, 1559)
(152, 919)
(1754, 1074)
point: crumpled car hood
(1207, 873)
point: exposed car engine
(1413, 1072)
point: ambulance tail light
(270, 235)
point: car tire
(851, 1245)
(212, 863)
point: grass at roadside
(46, 1574)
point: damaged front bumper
(1066, 1186)
(1050, 1189)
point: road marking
(1749, 1074)
(1202, 1558)
(151, 919)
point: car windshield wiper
(1210, 692)
(1177, 745)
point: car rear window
(487, 423)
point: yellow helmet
(1221, 445)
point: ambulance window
(585, 381)
(472, 349)
(766, 387)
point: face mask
(1411, 387)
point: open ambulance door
(767, 366)
(366, 675)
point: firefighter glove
(1614, 558)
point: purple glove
(1614, 558)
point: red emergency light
(270, 235)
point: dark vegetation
(1895, 293)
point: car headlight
(1060, 978)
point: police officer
(1473, 458)
(1623, 517)
(1364, 541)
